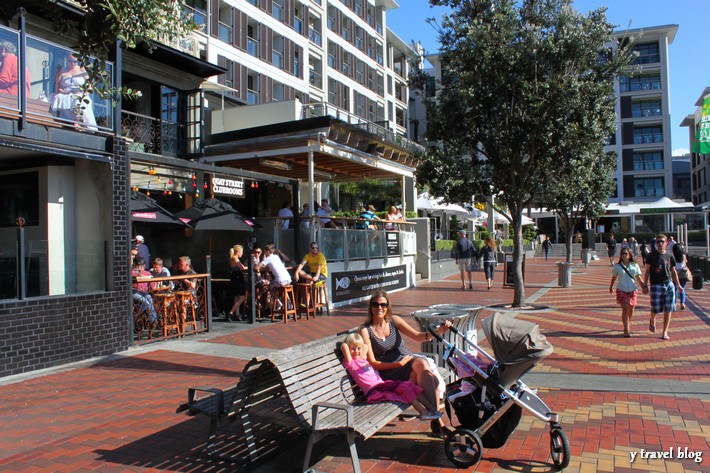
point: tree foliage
(104, 22)
(522, 84)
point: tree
(514, 76)
(105, 22)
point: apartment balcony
(149, 134)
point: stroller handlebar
(432, 329)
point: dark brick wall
(50, 331)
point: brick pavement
(615, 395)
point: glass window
(647, 53)
(252, 88)
(55, 80)
(253, 39)
(225, 23)
(277, 9)
(648, 135)
(640, 82)
(198, 10)
(646, 108)
(649, 187)
(9, 93)
(652, 160)
(277, 56)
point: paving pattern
(617, 397)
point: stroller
(488, 397)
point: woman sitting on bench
(375, 388)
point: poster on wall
(392, 243)
(357, 284)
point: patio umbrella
(145, 209)
(213, 214)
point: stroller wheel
(559, 448)
(463, 447)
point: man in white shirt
(276, 266)
(286, 215)
(323, 214)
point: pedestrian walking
(489, 255)
(465, 253)
(547, 245)
(628, 272)
(660, 270)
(611, 249)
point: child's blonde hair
(354, 338)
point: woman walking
(237, 282)
(488, 254)
(629, 275)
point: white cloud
(680, 152)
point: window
(225, 23)
(648, 53)
(359, 38)
(360, 105)
(331, 18)
(253, 93)
(648, 135)
(646, 108)
(345, 67)
(359, 71)
(332, 92)
(298, 21)
(640, 82)
(652, 160)
(277, 9)
(296, 64)
(649, 187)
(277, 54)
(331, 55)
(277, 92)
(253, 39)
(345, 33)
(198, 10)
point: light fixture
(151, 171)
(271, 163)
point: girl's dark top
(390, 350)
(660, 266)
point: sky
(688, 75)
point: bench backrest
(313, 372)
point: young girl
(629, 275)
(369, 380)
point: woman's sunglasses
(383, 305)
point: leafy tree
(514, 76)
(105, 22)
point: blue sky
(689, 66)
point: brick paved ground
(615, 395)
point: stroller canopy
(515, 341)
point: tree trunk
(518, 253)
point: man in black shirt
(660, 269)
(611, 249)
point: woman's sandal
(652, 327)
(665, 337)
(627, 334)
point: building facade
(642, 141)
(699, 163)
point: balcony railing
(225, 32)
(149, 135)
(648, 139)
(48, 99)
(253, 47)
(315, 37)
(322, 109)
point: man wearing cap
(140, 246)
(464, 253)
(369, 215)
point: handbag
(627, 272)
(684, 273)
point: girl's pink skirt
(624, 298)
(394, 391)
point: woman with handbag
(628, 272)
(681, 267)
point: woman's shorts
(626, 298)
(489, 269)
(662, 297)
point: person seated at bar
(141, 291)
(323, 214)
(184, 268)
(394, 215)
(273, 262)
(9, 70)
(317, 266)
(159, 271)
(369, 215)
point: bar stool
(305, 296)
(285, 294)
(168, 312)
(321, 297)
(187, 305)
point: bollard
(697, 279)
(564, 274)
(586, 256)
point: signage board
(509, 271)
(229, 186)
(358, 284)
(392, 243)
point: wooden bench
(320, 396)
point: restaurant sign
(358, 284)
(666, 210)
(227, 186)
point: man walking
(660, 270)
(611, 249)
(546, 245)
(464, 253)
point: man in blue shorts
(660, 269)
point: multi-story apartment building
(643, 136)
(699, 163)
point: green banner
(701, 143)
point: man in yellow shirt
(317, 266)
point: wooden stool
(284, 294)
(305, 297)
(168, 312)
(187, 306)
(321, 296)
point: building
(699, 163)
(643, 136)
(65, 232)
